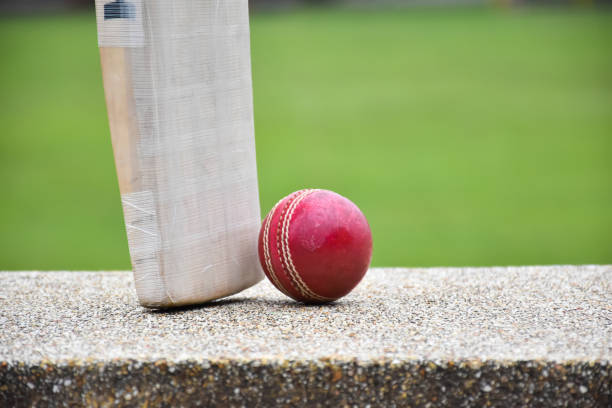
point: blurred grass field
(467, 137)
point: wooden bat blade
(177, 80)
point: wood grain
(121, 116)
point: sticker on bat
(119, 9)
(120, 23)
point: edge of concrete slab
(323, 382)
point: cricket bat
(177, 80)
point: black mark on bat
(119, 9)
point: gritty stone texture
(405, 337)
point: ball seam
(303, 288)
(267, 256)
(279, 237)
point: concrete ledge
(490, 336)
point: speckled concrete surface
(499, 336)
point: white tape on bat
(144, 241)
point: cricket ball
(315, 246)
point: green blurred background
(467, 135)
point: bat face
(177, 80)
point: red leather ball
(315, 246)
